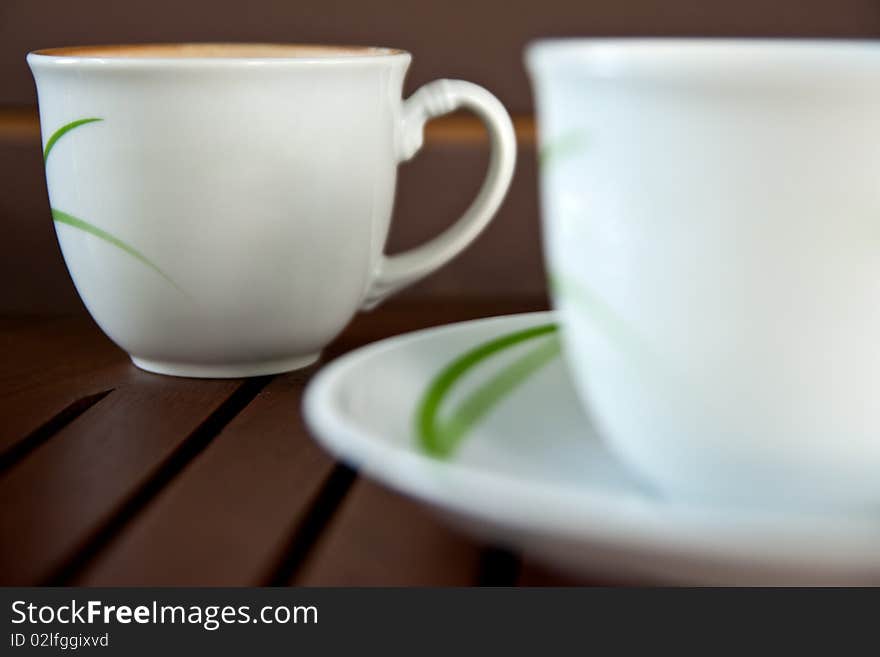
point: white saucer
(532, 474)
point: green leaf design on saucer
(81, 224)
(439, 437)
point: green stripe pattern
(439, 437)
(63, 130)
(604, 318)
(64, 218)
(70, 220)
(563, 146)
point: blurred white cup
(711, 216)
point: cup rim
(100, 55)
(693, 56)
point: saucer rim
(775, 537)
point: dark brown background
(479, 40)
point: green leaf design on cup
(602, 316)
(561, 147)
(440, 437)
(63, 130)
(69, 220)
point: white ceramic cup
(222, 208)
(712, 223)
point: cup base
(225, 370)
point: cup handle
(435, 99)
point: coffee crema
(217, 51)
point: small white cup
(222, 208)
(712, 223)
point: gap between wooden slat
(22, 123)
(498, 567)
(49, 428)
(306, 534)
(188, 450)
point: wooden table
(113, 476)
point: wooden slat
(38, 350)
(162, 480)
(380, 538)
(58, 500)
(228, 520)
(48, 365)
(19, 124)
(239, 514)
(467, 129)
